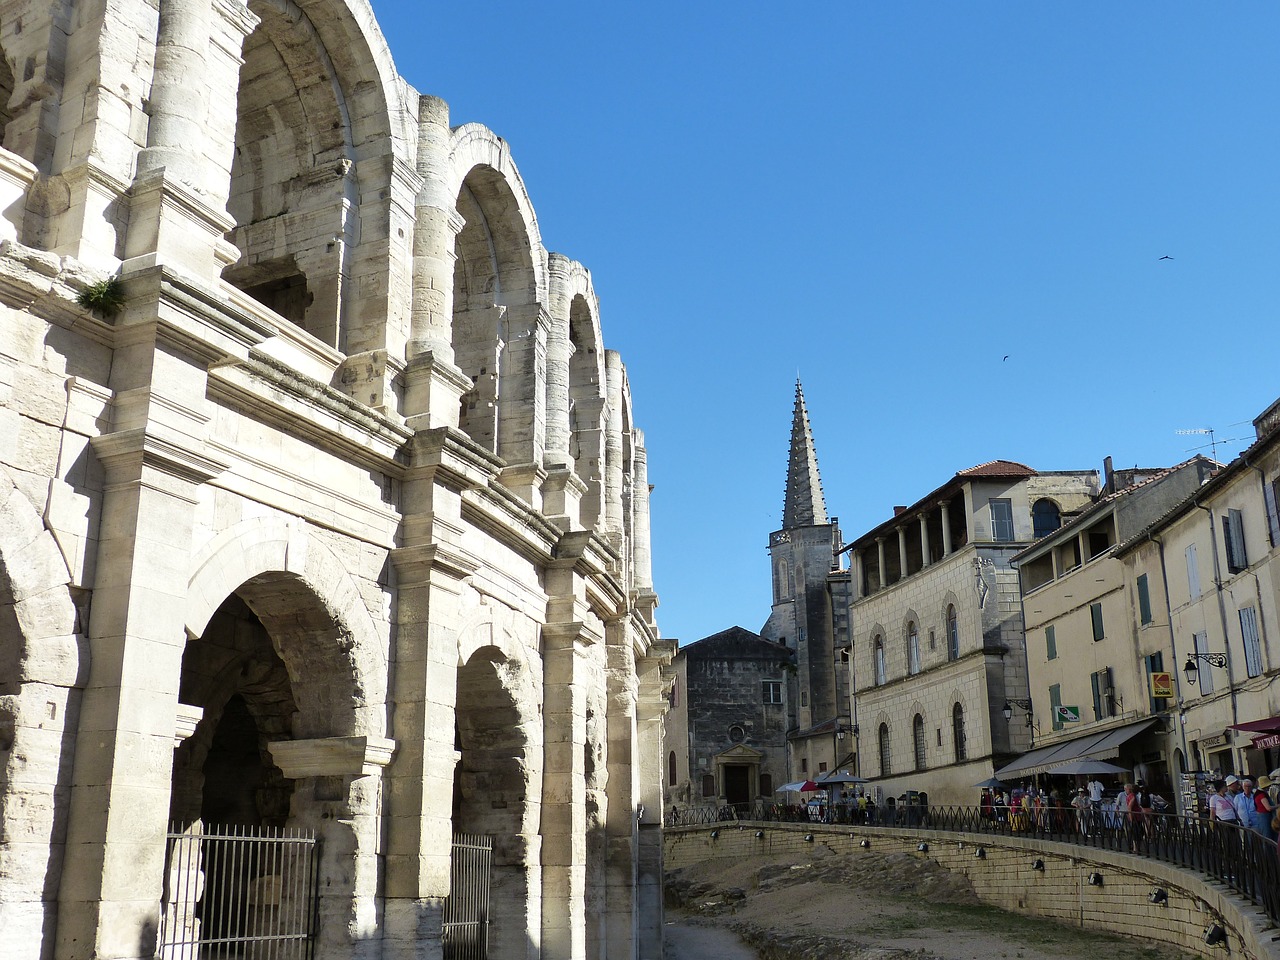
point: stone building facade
(732, 706)
(322, 503)
(937, 625)
(1093, 644)
(1212, 563)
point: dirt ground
(871, 906)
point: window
(1205, 675)
(1104, 696)
(1249, 633)
(771, 691)
(737, 734)
(917, 737)
(957, 733)
(1001, 520)
(804, 764)
(913, 648)
(766, 785)
(1233, 537)
(1095, 614)
(804, 698)
(884, 750)
(933, 645)
(880, 671)
(1155, 664)
(671, 769)
(1055, 701)
(708, 784)
(1050, 643)
(1144, 599)
(953, 633)
(1269, 496)
(1193, 573)
(1045, 518)
(822, 766)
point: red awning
(1271, 725)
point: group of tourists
(1087, 809)
(1240, 801)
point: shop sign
(1267, 742)
(1217, 741)
(1162, 686)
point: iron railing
(248, 893)
(466, 909)
(1242, 859)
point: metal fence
(466, 909)
(1242, 859)
(248, 893)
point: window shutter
(1095, 614)
(1205, 673)
(1144, 599)
(1249, 633)
(1055, 701)
(1273, 519)
(1097, 696)
(1193, 572)
(1051, 643)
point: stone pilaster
(612, 512)
(623, 795)
(522, 407)
(651, 709)
(559, 353)
(641, 542)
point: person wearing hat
(1263, 809)
(1080, 803)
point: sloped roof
(736, 643)
(998, 468)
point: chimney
(1108, 478)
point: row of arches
(914, 659)
(919, 754)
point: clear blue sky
(888, 199)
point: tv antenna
(1213, 440)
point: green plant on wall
(105, 297)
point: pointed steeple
(805, 506)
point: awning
(1270, 725)
(1104, 743)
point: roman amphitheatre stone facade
(329, 515)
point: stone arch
(43, 667)
(498, 786)
(587, 393)
(313, 117)
(306, 600)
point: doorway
(737, 784)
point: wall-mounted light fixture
(1095, 879)
(865, 844)
(1215, 935)
(1159, 895)
(922, 847)
(1218, 660)
(808, 838)
(715, 834)
(1037, 864)
(982, 853)
(759, 834)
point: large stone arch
(498, 781)
(311, 176)
(263, 559)
(43, 666)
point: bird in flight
(1006, 357)
(1165, 257)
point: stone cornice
(125, 453)
(415, 564)
(332, 756)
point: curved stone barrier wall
(1004, 875)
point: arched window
(671, 769)
(1045, 518)
(880, 671)
(957, 732)
(884, 750)
(913, 647)
(953, 633)
(917, 737)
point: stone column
(110, 895)
(946, 528)
(522, 416)
(856, 575)
(338, 791)
(177, 209)
(880, 554)
(641, 550)
(651, 708)
(902, 553)
(433, 384)
(431, 569)
(924, 540)
(559, 353)
(613, 446)
(623, 794)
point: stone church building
(324, 517)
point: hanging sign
(1162, 686)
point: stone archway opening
(491, 790)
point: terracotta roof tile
(998, 468)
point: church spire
(805, 506)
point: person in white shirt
(1221, 809)
(1242, 800)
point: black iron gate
(248, 893)
(466, 910)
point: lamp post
(1212, 659)
(1032, 727)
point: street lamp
(1212, 659)
(1021, 704)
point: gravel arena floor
(872, 907)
